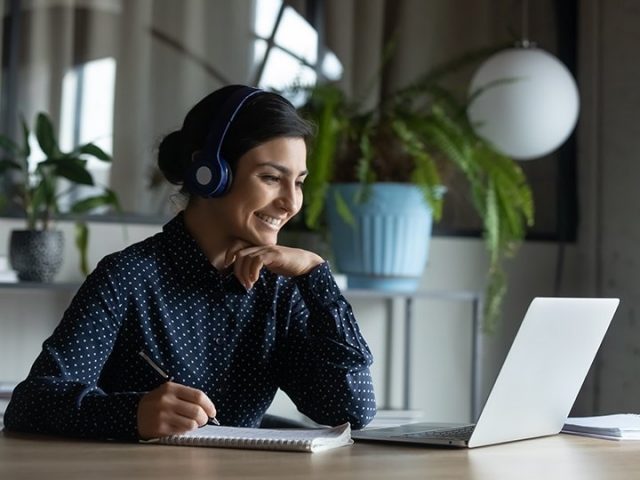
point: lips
(272, 221)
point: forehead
(287, 152)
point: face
(266, 191)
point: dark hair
(262, 118)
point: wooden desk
(562, 457)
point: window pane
(331, 66)
(297, 36)
(266, 14)
(282, 70)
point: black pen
(165, 375)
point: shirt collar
(180, 245)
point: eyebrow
(282, 169)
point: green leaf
(91, 203)
(9, 145)
(26, 148)
(343, 209)
(425, 173)
(94, 151)
(323, 106)
(72, 170)
(494, 297)
(82, 242)
(492, 223)
(43, 201)
(45, 136)
(8, 164)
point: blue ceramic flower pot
(387, 248)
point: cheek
(299, 201)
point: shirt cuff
(112, 416)
(318, 287)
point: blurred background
(122, 74)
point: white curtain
(168, 54)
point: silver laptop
(538, 383)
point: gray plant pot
(36, 256)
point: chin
(263, 240)
(270, 241)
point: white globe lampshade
(530, 105)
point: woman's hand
(248, 261)
(173, 409)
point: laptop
(537, 384)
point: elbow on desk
(14, 420)
(360, 415)
(360, 420)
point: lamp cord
(524, 42)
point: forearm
(55, 406)
(328, 359)
(331, 399)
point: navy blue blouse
(203, 328)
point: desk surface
(558, 457)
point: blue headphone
(209, 174)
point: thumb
(232, 251)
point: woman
(212, 299)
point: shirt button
(219, 341)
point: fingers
(172, 409)
(247, 266)
(237, 246)
(196, 397)
(281, 260)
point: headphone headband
(209, 174)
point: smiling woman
(266, 192)
(213, 299)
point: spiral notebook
(302, 440)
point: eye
(270, 178)
(300, 183)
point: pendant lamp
(524, 101)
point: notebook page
(294, 434)
(310, 440)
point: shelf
(53, 286)
(457, 295)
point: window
(287, 50)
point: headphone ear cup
(208, 179)
(209, 175)
(225, 178)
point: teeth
(270, 220)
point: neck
(210, 239)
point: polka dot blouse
(203, 328)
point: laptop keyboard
(462, 433)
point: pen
(165, 375)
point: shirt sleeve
(61, 393)
(325, 363)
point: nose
(290, 199)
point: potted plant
(381, 173)
(36, 252)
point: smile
(274, 222)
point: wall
(610, 76)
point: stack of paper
(613, 427)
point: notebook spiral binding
(261, 443)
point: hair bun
(170, 159)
